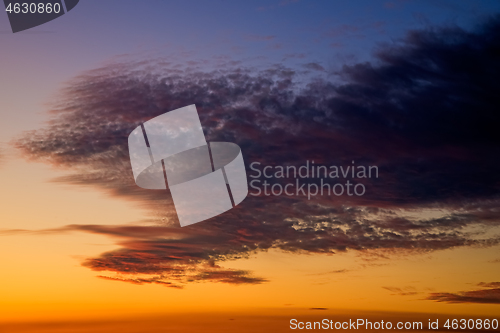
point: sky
(407, 86)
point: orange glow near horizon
(43, 279)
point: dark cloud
(166, 255)
(157, 280)
(183, 276)
(425, 111)
(491, 295)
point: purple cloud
(489, 295)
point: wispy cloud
(406, 291)
(338, 271)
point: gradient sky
(424, 240)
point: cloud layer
(424, 111)
(490, 294)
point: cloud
(337, 271)
(157, 280)
(491, 295)
(165, 255)
(406, 291)
(424, 111)
(314, 66)
(489, 284)
(214, 275)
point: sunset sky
(408, 86)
